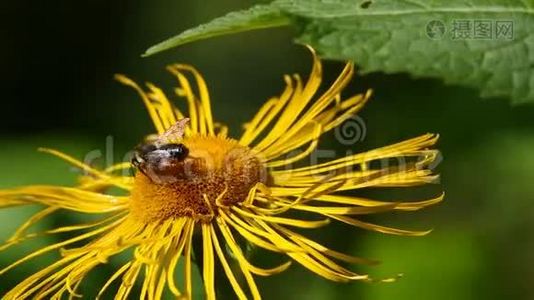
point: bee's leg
(138, 165)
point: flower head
(192, 179)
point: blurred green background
(57, 63)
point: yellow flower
(193, 179)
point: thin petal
(379, 228)
(227, 270)
(240, 258)
(209, 264)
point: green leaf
(257, 17)
(439, 39)
(392, 37)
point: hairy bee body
(159, 162)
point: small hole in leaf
(366, 4)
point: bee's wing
(175, 132)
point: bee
(160, 158)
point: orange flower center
(217, 172)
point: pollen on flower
(217, 172)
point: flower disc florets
(216, 172)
